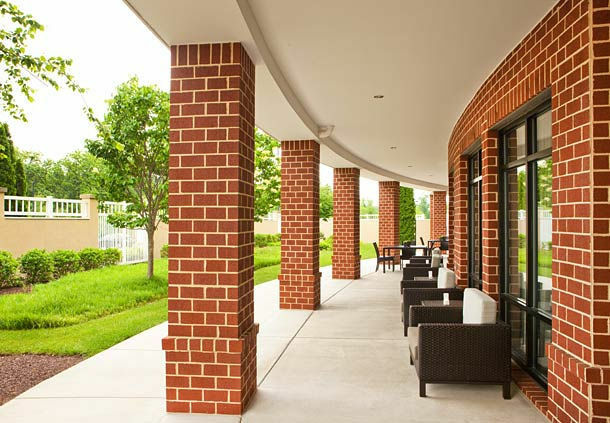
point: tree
(407, 214)
(11, 167)
(36, 171)
(367, 207)
(267, 175)
(423, 207)
(18, 66)
(326, 202)
(133, 141)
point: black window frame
(475, 279)
(529, 305)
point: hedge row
(39, 266)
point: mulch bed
(15, 290)
(18, 373)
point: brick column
(438, 214)
(300, 269)
(460, 221)
(450, 217)
(389, 212)
(210, 349)
(346, 223)
(491, 214)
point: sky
(108, 44)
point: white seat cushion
(436, 260)
(479, 308)
(446, 278)
(413, 339)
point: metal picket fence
(133, 243)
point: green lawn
(545, 262)
(83, 296)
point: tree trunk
(151, 253)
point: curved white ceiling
(321, 62)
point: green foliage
(545, 184)
(37, 266)
(267, 256)
(264, 240)
(19, 66)
(20, 181)
(111, 256)
(326, 244)
(133, 140)
(64, 262)
(11, 167)
(326, 202)
(367, 207)
(267, 180)
(8, 270)
(423, 207)
(91, 258)
(522, 193)
(78, 173)
(83, 296)
(407, 215)
(164, 251)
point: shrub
(91, 258)
(37, 266)
(64, 262)
(8, 270)
(165, 251)
(111, 256)
(327, 244)
(264, 240)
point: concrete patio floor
(346, 362)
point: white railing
(133, 243)
(48, 208)
(369, 216)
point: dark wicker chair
(417, 291)
(444, 350)
(409, 274)
(381, 259)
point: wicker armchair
(410, 273)
(414, 296)
(444, 350)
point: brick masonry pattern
(567, 51)
(210, 349)
(346, 223)
(300, 205)
(389, 195)
(438, 214)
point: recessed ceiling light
(409, 165)
(393, 147)
(378, 96)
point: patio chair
(412, 273)
(414, 292)
(406, 253)
(453, 345)
(381, 259)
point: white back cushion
(436, 260)
(446, 278)
(479, 308)
(436, 251)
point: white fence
(133, 243)
(49, 207)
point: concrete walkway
(347, 362)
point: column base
(346, 266)
(210, 375)
(300, 292)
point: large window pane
(517, 231)
(516, 145)
(517, 319)
(544, 338)
(545, 231)
(543, 131)
(476, 230)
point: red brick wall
(460, 221)
(389, 212)
(491, 209)
(567, 51)
(300, 203)
(451, 220)
(438, 214)
(210, 349)
(346, 223)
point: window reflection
(543, 131)
(544, 338)
(545, 231)
(516, 144)
(517, 231)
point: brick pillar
(346, 223)
(300, 269)
(210, 349)
(491, 214)
(438, 214)
(450, 230)
(460, 221)
(389, 212)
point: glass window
(544, 338)
(517, 231)
(543, 131)
(475, 245)
(516, 144)
(544, 225)
(518, 319)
